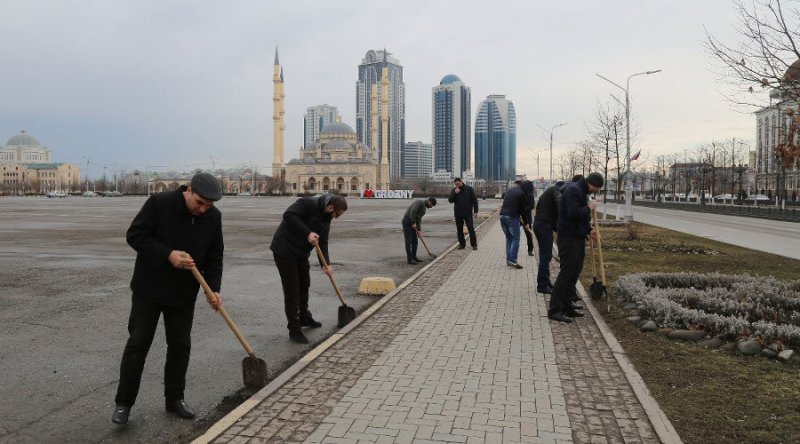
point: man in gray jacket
(412, 227)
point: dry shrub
(632, 231)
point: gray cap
(207, 186)
(595, 179)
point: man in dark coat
(174, 232)
(514, 210)
(574, 224)
(412, 227)
(465, 210)
(306, 223)
(544, 224)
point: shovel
(603, 286)
(596, 288)
(346, 314)
(254, 370)
(424, 244)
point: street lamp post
(551, 145)
(628, 183)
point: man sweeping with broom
(306, 224)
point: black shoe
(412, 262)
(120, 415)
(515, 265)
(180, 408)
(298, 336)
(418, 260)
(530, 252)
(309, 321)
(559, 317)
(545, 290)
(474, 247)
(574, 314)
(577, 307)
(461, 247)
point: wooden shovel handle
(600, 250)
(423, 242)
(210, 294)
(335, 287)
(591, 247)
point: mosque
(27, 167)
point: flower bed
(730, 306)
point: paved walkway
(462, 353)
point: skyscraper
(417, 160)
(496, 139)
(451, 126)
(316, 118)
(380, 111)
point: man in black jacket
(465, 210)
(174, 232)
(574, 224)
(513, 211)
(306, 223)
(544, 224)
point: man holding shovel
(574, 224)
(412, 227)
(174, 232)
(306, 224)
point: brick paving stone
(465, 353)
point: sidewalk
(463, 352)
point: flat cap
(433, 201)
(207, 186)
(595, 179)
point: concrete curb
(236, 414)
(661, 424)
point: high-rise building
(451, 126)
(496, 139)
(316, 118)
(417, 160)
(380, 111)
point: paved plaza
(463, 352)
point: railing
(788, 214)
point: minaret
(277, 118)
(385, 124)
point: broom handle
(210, 294)
(423, 242)
(325, 264)
(600, 252)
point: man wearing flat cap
(574, 224)
(173, 232)
(412, 227)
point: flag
(636, 154)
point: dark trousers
(529, 237)
(142, 327)
(544, 236)
(571, 252)
(460, 221)
(411, 240)
(296, 280)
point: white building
(316, 118)
(417, 160)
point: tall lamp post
(538, 174)
(628, 182)
(551, 145)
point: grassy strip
(709, 396)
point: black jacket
(465, 202)
(518, 201)
(574, 216)
(165, 224)
(307, 214)
(547, 208)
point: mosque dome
(450, 78)
(23, 139)
(337, 128)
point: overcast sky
(181, 84)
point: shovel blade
(346, 314)
(596, 290)
(254, 372)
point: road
(64, 304)
(782, 238)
